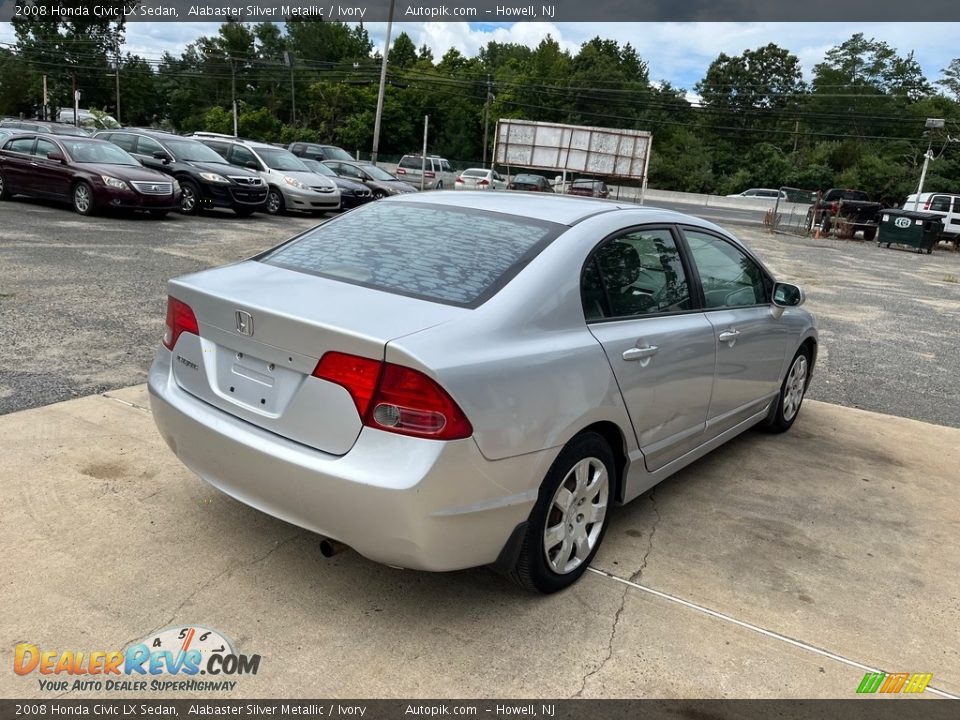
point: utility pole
(117, 73)
(233, 93)
(931, 125)
(383, 87)
(45, 100)
(288, 59)
(486, 120)
(423, 157)
(796, 133)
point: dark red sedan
(91, 174)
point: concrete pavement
(777, 567)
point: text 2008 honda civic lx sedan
(472, 379)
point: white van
(945, 205)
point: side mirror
(58, 157)
(161, 155)
(786, 295)
(251, 165)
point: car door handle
(640, 353)
(729, 335)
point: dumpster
(909, 227)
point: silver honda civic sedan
(475, 379)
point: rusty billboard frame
(615, 153)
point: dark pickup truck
(846, 212)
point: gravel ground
(82, 303)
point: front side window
(124, 140)
(635, 274)
(728, 276)
(447, 255)
(149, 146)
(44, 147)
(241, 156)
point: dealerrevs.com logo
(184, 658)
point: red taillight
(358, 375)
(460, 180)
(180, 319)
(483, 182)
(429, 173)
(833, 207)
(396, 398)
(926, 205)
(401, 171)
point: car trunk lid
(263, 330)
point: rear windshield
(449, 255)
(475, 173)
(532, 179)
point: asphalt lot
(82, 305)
(728, 580)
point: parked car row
(162, 171)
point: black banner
(484, 11)
(857, 709)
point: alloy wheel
(273, 202)
(576, 516)
(81, 199)
(188, 201)
(794, 388)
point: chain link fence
(792, 214)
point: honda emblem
(244, 322)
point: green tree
(403, 54)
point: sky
(676, 52)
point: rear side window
(447, 255)
(21, 145)
(940, 203)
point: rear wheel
(189, 197)
(569, 520)
(825, 224)
(792, 391)
(869, 233)
(83, 198)
(4, 193)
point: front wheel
(83, 198)
(379, 195)
(189, 197)
(4, 193)
(825, 225)
(569, 520)
(794, 387)
(274, 202)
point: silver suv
(435, 173)
(292, 185)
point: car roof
(550, 207)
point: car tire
(825, 225)
(869, 234)
(243, 212)
(440, 185)
(379, 194)
(82, 198)
(275, 204)
(559, 543)
(792, 391)
(4, 193)
(189, 197)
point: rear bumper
(401, 501)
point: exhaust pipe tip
(329, 547)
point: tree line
(751, 121)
